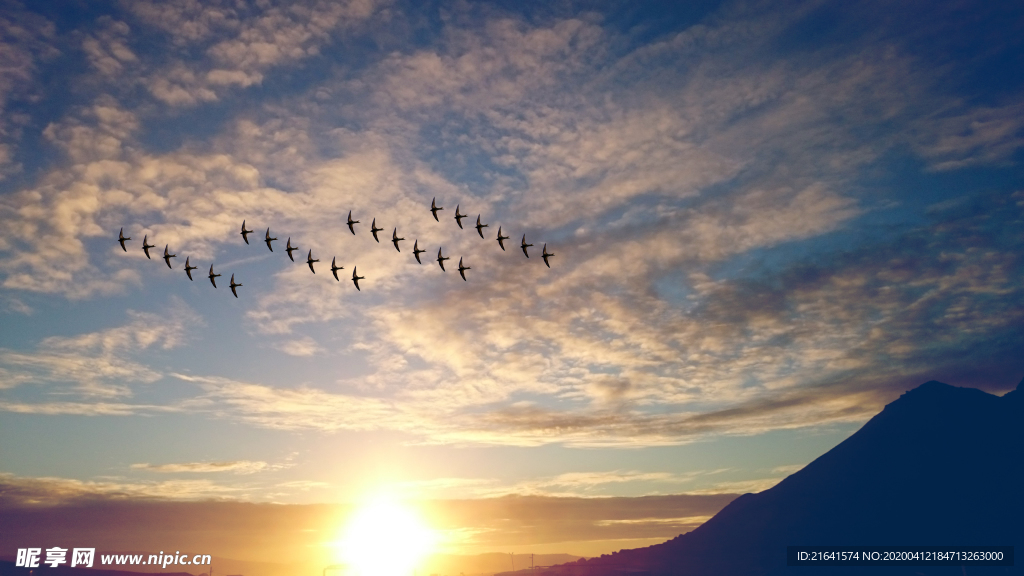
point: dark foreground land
(8, 568)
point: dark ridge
(1016, 394)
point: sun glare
(384, 538)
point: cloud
(535, 520)
(259, 38)
(31, 507)
(300, 408)
(621, 379)
(789, 469)
(187, 21)
(687, 185)
(971, 137)
(26, 42)
(742, 486)
(676, 523)
(90, 408)
(566, 485)
(302, 347)
(19, 491)
(107, 50)
(47, 228)
(97, 364)
(235, 466)
(179, 85)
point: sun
(384, 538)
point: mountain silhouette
(7, 568)
(940, 466)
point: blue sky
(769, 219)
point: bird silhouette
(480, 227)
(500, 238)
(462, 269)
(434, 208)
(212, 276)
(245, 233)
(374, 229)
(121, 238)
(233, 286)
(269, 240)
(189, 269)
(395, 239)
(145, 246)
(356, 279)
(525, 246)
(310, 260)
(545, 256)
(289, 249)
(458, 217)
(441, 259)
(351, 222)
(334, 269)
(416, 251)
(168, 256)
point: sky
(768, 220)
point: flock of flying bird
(434, 209)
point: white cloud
(302, 347)
(645, 171)
(971, 137)
(98, 364)
(51, 491)
(85, 408)
(107, 50)
(26, 41)
(259, 38)
(235, 466)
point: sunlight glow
(384, 538)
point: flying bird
(462, 269)
(416, 251)
(334, 269)
(434, 208)
(168, 256)
(121, 238)
(395, 239)
(459, 217)
(189, 269)
(269, 240)
(500, 238)
(441, 259)
(212, 276)
(310, 260)
(356, 279)
(525, 246)
(289, 249)
(145, 246)
(351, 222)
(245, 233)
(480, 227)
(233, 286)
(374, 229)
(545, 256)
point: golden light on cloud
(385, 538)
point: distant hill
(486, 564)
(8, 568)
(941, 465)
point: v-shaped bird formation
(395, 239)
